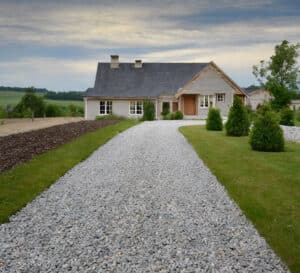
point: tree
(238, 120)
(35, 104)
(214, 120)
(266, 134)
(279, 74)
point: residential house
(258, 97)
(121, 88)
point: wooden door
(189, 105)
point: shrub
(173, 116)
(214, 120)
(178, 115)
(110, 117)
(149, 110)
(287, 117)
(53, 110)
(238, 120)
(297, 115)
(3, 113)
(165, 109)
(266, 134)
(74, 111)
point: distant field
(12, 98)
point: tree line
(53, 95)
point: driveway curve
(143, 202)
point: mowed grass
(24, 182)
(13, 98)
(266, 186)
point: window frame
(135, 104)
(107, 107)
(222, 97)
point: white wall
(119, 108)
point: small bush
(266, 134)
(214, 120)
(287, 117)
(149, 110)
(3, 113)
(53, 110)
(74, 111)
(165, 109)
(173, 116)
(238, 121)
(178, 115)
(297, 115)
(110, 117)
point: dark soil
(22, 147)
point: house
(258, 97)
(121, 88)
(295, 104)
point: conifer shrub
(287, 117)
(266, 134)
(149, 110)
(238, 120)
(214, 120)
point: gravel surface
(291, 133)
(143, 202)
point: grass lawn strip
(24, 182)
(266, 186)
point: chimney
(138, 64)
(114, 61)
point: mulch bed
(22, 147)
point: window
(207, 101)
(204, 101)
(220, 97)
(136, 108)
(105, 107)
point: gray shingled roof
(150, 81)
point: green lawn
(24, 182)
(12, 98)
(266, 186)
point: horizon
(57, 45)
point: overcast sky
(57, 44)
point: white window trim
(105, 107)
(222, 95)
(209, 97)
(135, 108)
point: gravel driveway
(143, 202)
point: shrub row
(265, 135)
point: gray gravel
(144, 202)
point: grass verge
(24, 182)
(266, 186)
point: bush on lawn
(238, 120)
(214, 120)
(266, 134)
(287, 117)
(297, 115)
(149, 110)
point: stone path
(144, 202)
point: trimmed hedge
(238, 121)
(214, 120)
(266, 134)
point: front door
(189, 105)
